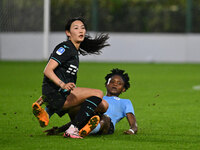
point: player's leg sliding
(73, 132)
(86, 112)
(40, 114)
(92, 124)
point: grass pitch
(166, 99)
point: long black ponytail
(94, 46)
(89, 45)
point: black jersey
(66, 55)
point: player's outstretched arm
(132, 122)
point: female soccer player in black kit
(60, 74)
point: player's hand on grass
(130, 131)
(52, 131)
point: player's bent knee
(103, 106)
(99, 93)
(106, 105)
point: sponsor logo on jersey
(117, 98)
(60, 51)
(72, 69)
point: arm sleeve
(129, 107)
(60, 54)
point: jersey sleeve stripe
(56, 60)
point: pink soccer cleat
(72, 132)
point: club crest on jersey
(60, 51)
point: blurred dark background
(171, 16)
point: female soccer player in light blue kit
(117, 82)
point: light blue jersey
(118, 108)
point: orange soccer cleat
(40, 114)
(92, 124)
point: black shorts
(111, 129)
(54, 97)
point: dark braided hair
(89, 45)
(121, 73)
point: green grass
(166, 106)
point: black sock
(64, 127)
(86, 112)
